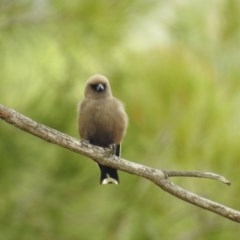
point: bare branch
(198, 175)
(103, 156)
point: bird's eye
(99, 87)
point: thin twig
(197, 174)
(102, 156)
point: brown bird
(102, 121)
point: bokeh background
(175, 65)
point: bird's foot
(112, 148)
(84, 142)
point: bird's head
(97, 87)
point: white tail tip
(109, 180)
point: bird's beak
(100, 87)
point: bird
(102, 121)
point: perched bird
(102, 121)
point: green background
(175, 65)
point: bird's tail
(109, 175)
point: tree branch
(104, 156)
(199, 175)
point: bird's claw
(112, 148)
(85, 142)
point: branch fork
(102, 155)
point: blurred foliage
(182, 96)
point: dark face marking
(98, 87)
